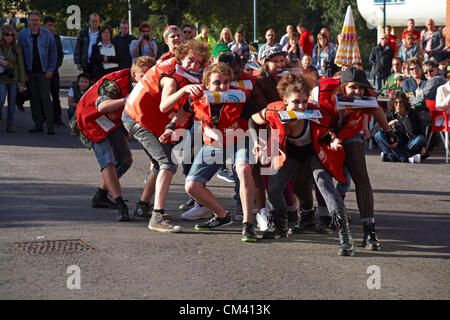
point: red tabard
(143, 103)
(94, 124)
(230, 119)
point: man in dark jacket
(122, 42)
(381, 60)
(87, 37)
(49, 24)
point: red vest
(165, 56)
(230, 119)
(143, 103)
(94, 124)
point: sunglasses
(187, 31)
(413, 69)
(428, 71)
(145, 31)
(8, 34)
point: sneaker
(142, 211)
(60, 124)
(123, 212)
(197, 212)
(415, 158)
(158, 223)
(101, 200)
(226, 175)
(187, 205)
(262, 219)
(248, 232)
(383, 156)
(214, 222)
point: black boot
(370, 241)
(345, 237)
(324, 226)
(306, 223)
(123, 210)
(101, 200)
(279, 228)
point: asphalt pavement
(46, 187)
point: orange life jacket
(94, 124)
(230, 119)
(143, 103)
(166, 56)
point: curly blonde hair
(219, 67)
(295, 83)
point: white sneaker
(196, 213)
(262, 219)
(415, 158)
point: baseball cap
(355, 75)
(273, 51)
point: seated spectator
(295, 52)
(413, 86)
(206, 38)
(105, 56)
(443, 96)
(405, 69)
(434, 81)
(308, 67)
(144, 46)
(409, 48)
(433, 42)
(443, 58)
(394, 81)
(225, 36)
(240, 47)
(285, 39)
(407, 127)
(324, 53)
(411, 29)
(76, 91)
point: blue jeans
(379, 82)
(11, 90)
(403, 151)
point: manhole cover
(53, 246)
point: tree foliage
(216, 14)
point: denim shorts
(113, 149)
(210, 159)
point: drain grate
(53, 246)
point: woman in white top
(443, 96)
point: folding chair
(440, 123)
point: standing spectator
(306, 39)
(188, 32)
(240, 47)
(105, 56)
(391, 40)
(225, 36)
(411, 29)
(87, 37)
(76, 91)
(270, 43)
(324, 53)
(381, 60)
(413, 86)
(144, 46)
(409, 48)
(295, 52)
(122, 42)
(285, 39)
(433, 42)
(206, 38)
(39, 54)
(12, 76)
(49, 24)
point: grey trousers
(40, 103)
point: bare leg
(247, 190)
(202, 195)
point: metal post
(384, 15)
(129, 18)
(254, 21)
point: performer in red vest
(149, 109)
(295, 142)
(98, 116)
(224, 126)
